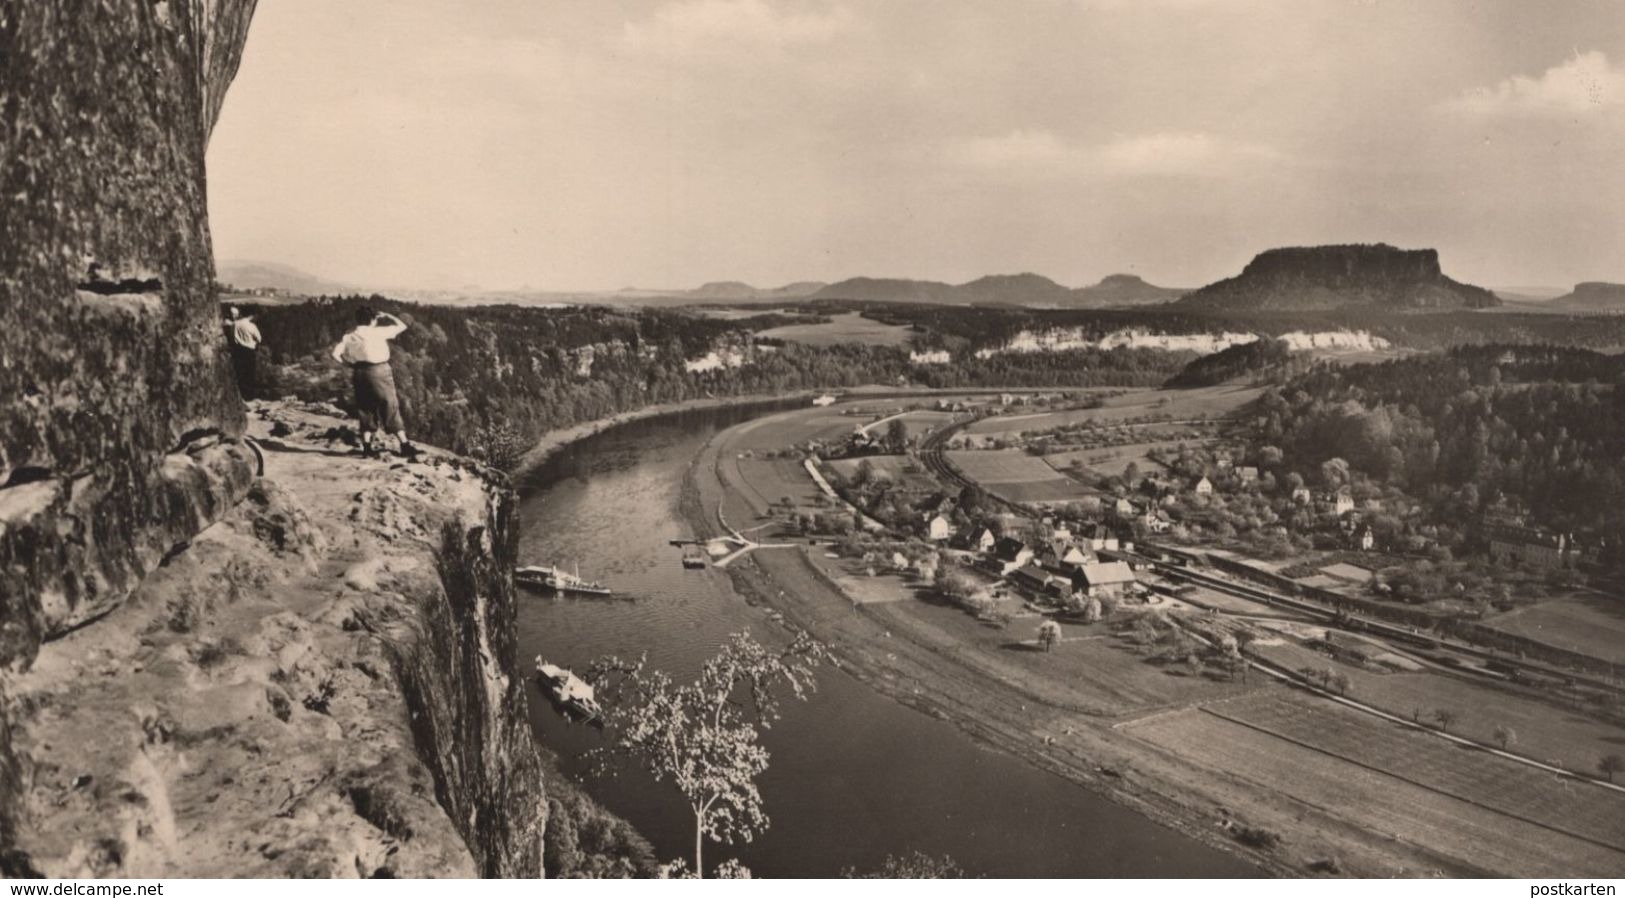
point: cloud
(703, 27)
(1174, 153)
(1584, 83)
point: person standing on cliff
(243, 338)
(366, 350)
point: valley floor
(1344, 790)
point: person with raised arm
(365, 349)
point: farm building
(1038, 582)
(1107, 578)
(1247, 474)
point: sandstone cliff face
(119, 418)
(1321, 277)
(202, 672)
(323, 683)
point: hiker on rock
(366, 350)
(243, 338)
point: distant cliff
(1331, 277)
(1591, 297)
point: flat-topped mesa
(1592, 296)
(1321, 277)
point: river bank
(927, 667)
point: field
(1118, 457)
(1592, 624)
(893, 467)
(1017, 476)
(1578, 809)
(848, 328)
(1170, 405)
(1377, 801)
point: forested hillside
(459, 370)
(1533, 430)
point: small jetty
(558, 579)
(568, 690)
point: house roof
(1008, 548)
(1106, 573)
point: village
(1120, 611)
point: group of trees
(1533, 429)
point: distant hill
(1591, 298)
(1530, 295)
(250, 275)
(739, 290)
(1119, 290)
(1330, 277)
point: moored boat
(557, 579)
(567, 689)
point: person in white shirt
(242, 337)
(366, 350)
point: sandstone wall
(118, 418)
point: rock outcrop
(323, 683)
(120, 425)
(1329, 277)
(205, 672)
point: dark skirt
(376, 403)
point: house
(1532, 546)
(1010, 553)
(1104, 578)
(1337, 504)
(1062, 553)
(938, 527)
(1124, 509)
(982, 540)
(1102, 539)
(1302, 496)
(1204, 487)
(1007, 398)
(899, 561)
(824, 400)
(1247, 474)
(1156, 521)
(1365, 539)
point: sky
(601, 144)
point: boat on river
(557, 579)
(568, 690)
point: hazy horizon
(666, 144)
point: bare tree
(1608, 765)
(704, 735)
(1445, 718)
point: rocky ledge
(323, 682)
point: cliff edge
(322, 683)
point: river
(854, 776)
